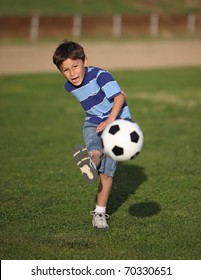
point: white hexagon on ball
(122, 140)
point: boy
(103, 101)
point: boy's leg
(99, 214)
(107, 170)
(96, 157)
(104, 189)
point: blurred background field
(51, 7)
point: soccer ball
(122, 140)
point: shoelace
(93, 213)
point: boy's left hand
(103, 125)
(118, 103)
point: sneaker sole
(83, 161)
(101, 228)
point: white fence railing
(76, 26)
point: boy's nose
(72, 72)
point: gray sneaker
(99, 220)
(85, 163)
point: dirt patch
(109, 55)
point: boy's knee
(96, 156)
(96, 153)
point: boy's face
(74, 70)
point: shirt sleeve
(108, 84)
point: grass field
(154, 206)
(99, 7)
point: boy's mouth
(75, 80)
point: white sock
(100, 209)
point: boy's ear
(85, 61)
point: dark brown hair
(68, 49)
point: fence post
(77, 26)
(191, 23)
(154, 25)
(34, 32)
(116, 25)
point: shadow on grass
(127, 180)
(144, 209)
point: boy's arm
(123, 93)
(118, 103)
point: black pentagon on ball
(118, 151)
(134, 137)
(114, 129)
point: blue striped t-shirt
(96, 95)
